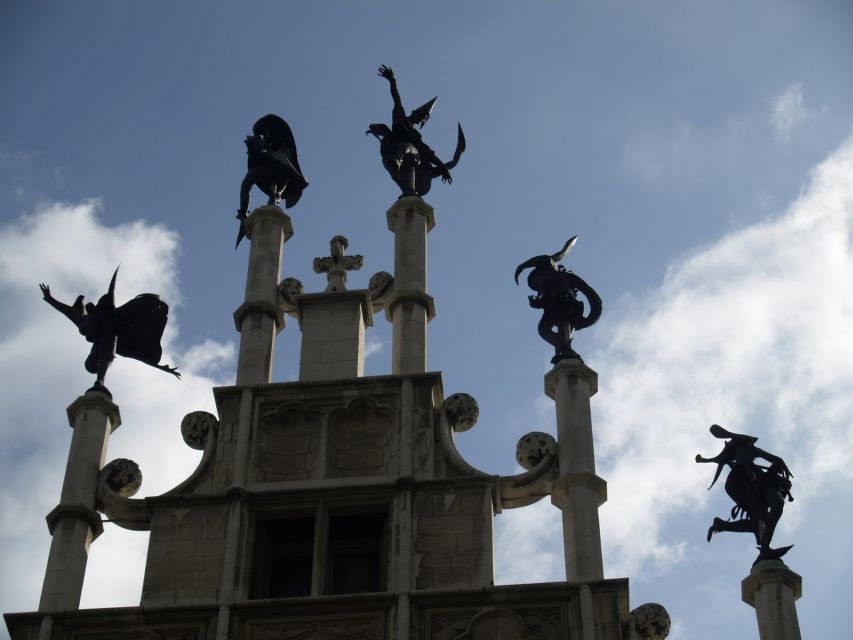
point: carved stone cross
(336, 266)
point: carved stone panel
(360, 440)
(288, 445)
(326, 628)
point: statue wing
(139, 327)
(420, 115)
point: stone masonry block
(190, 531)
(436, 562)
(475, 503)
(436, 544)
(458, 524)
(471, 542)
(430, 525)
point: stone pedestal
(259, 318)
(579, 491)
(333, 334)
(772, 589)
(409, 307)
(74, 523)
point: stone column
(579, 491)
(772, 589)
(259, 318)
(333, 327)
(74, 523)
(409, 307)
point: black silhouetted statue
(556, 294)
(132, 330)
(273, 167)
(406, 157)
(759, 492)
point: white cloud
(789, 112)
(373, 345)
(754, 332)
(67, 247)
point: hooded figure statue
(556, 294)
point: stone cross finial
(336, 266)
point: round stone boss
(533, 447)
(122, 476)
(196, 426)
(462, 411)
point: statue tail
(460, 148)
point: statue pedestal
(409, 307)
(579, 491)
(333, 334)
(259, 318)
(74, 523)
(773, 589)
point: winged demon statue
(132, 330)
(406, 157)
(759, 492)
(273, 167)
(556, 294)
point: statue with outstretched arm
(410, 162)
(759, 492)
(132, 330)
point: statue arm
(388, 74)
(63, 308)
(772, 459)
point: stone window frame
(321, 510)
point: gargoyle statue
(406, 157)
(759, 492)
(556, 294)
(132, 330)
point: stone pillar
(259, 318)
(333, 334)
(74, 523)
(409, 307)
(579, 491)
(772, 589)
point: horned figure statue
(556, 294)
(759, 492)
(407, 158)
(132, 330)
(272, 166)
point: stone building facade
(337, 506)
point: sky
(702, 152)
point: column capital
(564, 485)
(570, 368)
(409, 295)
(769, 572)
(78, 512)
(269, 212)
(273, 311)
(411, 203)
(97, 400)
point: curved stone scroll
(380, 286)
(537, 453)
(117, 482)
(649, 621)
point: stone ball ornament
(289, 288)
(122, 476)
(533, 447)
(651, 621)
(461, 411)
(379, 284)
(196, 427)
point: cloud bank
(67, 247)
(754, 332)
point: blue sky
(702, 153)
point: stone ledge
(78, 512)
(98, 401)
(360, 296)
(566, 368)
(769, 572)
(263, 306)
(411, 203)
(566, 483)
(269, 211)
(409, 295)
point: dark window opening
(356, 554)
(284, 553)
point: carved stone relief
(288, 444)
(359, 440)
(196, 426)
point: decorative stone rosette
(461, 411)
(533, 447)
(196, 426)
(122, 476)
(651, 621)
